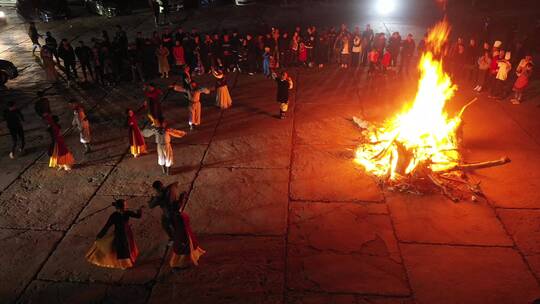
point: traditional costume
(60, 156)
(185, 248)
(163, 144)
(137, 144)
(194, 97)
(80, 121)
(115, 249)
(223, 98)
(166, 198)
(153, 104)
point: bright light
(2, 15)
(385, 7)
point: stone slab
(233, 270)
(523, 228)
(324, 298)
(150, 239)
(329, 86)
(327, 124)
(446, 274)
(514, 185)
(328, 173)
(435, 219)
(22, 253)
(46, 198)
(239, 201)
(67, 292)
(250, 141)
(341, 248)
(134, 176)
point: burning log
(481, 165)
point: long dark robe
(123, 243)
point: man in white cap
(504, 67)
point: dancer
(118, 249)
(185, 248)
(165, 198)
(194, 96)
(137, 146)
(14, 119)
(223, 98)
(152, 102)
(163, 134)
(60, 156)
(80, 121)
(284, 84)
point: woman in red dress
(185, 248)
(60, 156)
(137, 145)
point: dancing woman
(137, 145)
(117, 249)
(59, 155)
(223, 98)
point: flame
(423, 136)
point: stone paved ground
(284, 214)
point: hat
(497, 44)
(507, 56)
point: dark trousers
(85, 66)
(69, 67)
(136, 69)
(405, 65)
(16, 135)
(355, 59)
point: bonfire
(422, 143)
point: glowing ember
(423, 136)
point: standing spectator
(523, 72)
(367, 38)
(84, 54)
(162, 54)
(484, 62)
(421, 48)
(168, 42)
(345, 51)
(394, 44)
(407, 53)
(459, 63)
(295, 47)
(373, 58)
(135, 63)
(178, 53)
(252, 52)
(46, 54)
(504, 67)
(284, 84)
(14, 119)
(206, 53)
(50, 42)
(321, 53)
(66, 52)
(302, 54)
(97, 64)
(154, 6)
(266, 62)
(356, 47)
(472, 53)
(34, 37)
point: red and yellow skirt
(60, 160)
(136, 148)
(102, 254)
(186, 260)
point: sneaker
(11, 155)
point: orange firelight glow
(423, 135)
